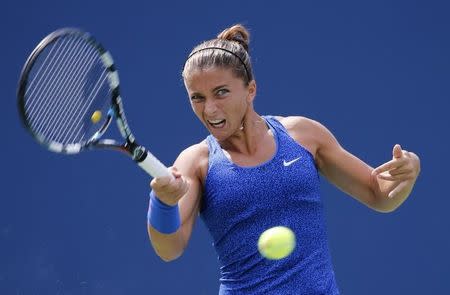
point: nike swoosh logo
(285, 164)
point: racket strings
(81, 113)
(46, 109)
(43, 79)
(68, 80)
(66, 83)
(72, 90)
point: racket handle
(153, 166)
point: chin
(219, 136)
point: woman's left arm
(382, 189)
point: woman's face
(220, 100)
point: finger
(397, 151)
(179, 186)
(175, 172)
(386, 176)
(392, 164)
(163, 180)
(175, 189)
(399, 177)
(399, 171)
(160, 182)
(397, 189)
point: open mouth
(217, 123)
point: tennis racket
(68, 95)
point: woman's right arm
(185, 189)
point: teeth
(216, 121)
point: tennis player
(254, 172)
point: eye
(196, 98)
(222, 92)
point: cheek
(197, 109)
(242, 105)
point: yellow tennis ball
(96, 116)
(276, 242)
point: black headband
(220, 48)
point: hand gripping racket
(68, 95)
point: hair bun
(237, 33)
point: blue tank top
(239, 203)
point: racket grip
(153, 166)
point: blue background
(375, 73)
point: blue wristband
(162, 217)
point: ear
(251, 91)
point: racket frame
(138, 153)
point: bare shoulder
(309, 133)
(296, 123)
(194, 160)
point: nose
(210, 107)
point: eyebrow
(214, 89)
(220, 86)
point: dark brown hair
(228, 50)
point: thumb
(397, 151)
(175, 172)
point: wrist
(163, 217)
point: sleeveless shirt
(239, 203)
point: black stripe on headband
(220, 48)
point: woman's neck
(249, 137)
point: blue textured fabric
(164, 218)
(239, 203)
